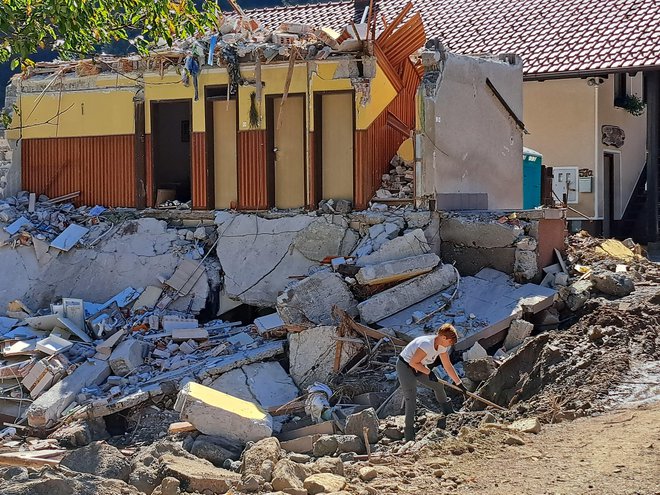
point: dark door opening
(608, 194)
(171, 128)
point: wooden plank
(19, 460)
(367, 331)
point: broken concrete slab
(265, 383)
(134, 255)
(148, 298)
(198, 475)
(268, 323)
(219, 414)
(356, 423)
(613, 284)
(312, 354)
(493, 300)
(470, 260)
(320, 239)
(518, 332)
(312, 299)
(397, 270)
(413, 243)
(465, 231)
(257, 257)
(406, 294)
(127, 357)
(47, 409)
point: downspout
(418, 143)
(597, 162)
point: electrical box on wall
(565, 182)
(585, 184)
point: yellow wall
(102, 108)
(82, 113)
(560, 117)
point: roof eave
(545, 76)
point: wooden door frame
(270, 146)
(153, 107)
(317, 174)
(140, 156)
(209, 125)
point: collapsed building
(264, 241)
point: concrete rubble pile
(399, 182)
(300, 398)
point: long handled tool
(470, 394)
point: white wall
(633, 151)
(471, 144)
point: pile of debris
(399, 182)
(50, 222)
(238, 39)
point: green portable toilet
(531, 178)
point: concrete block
(183, 334)
(355, 424)
(526, 265)
(312, 354)
(397, 270)
(320, 239)
(219, 414)
(413, 243)
(312, 299)
(268, 323)
(126, 357)
(48, 407)
(198, 475)
(518, 332)
(473, 232)
(406, 294)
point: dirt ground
(614, 453)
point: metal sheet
(100, 167)
(69, 238)
(199, 171)
(252, 183)
(375, 147)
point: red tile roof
(554, 37)
(334, 15)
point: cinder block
(126, 357)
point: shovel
(470, 394)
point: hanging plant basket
(632, 104)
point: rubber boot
(447, 408)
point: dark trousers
(409, 379)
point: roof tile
(552, 36)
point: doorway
(221, 129)
(286, 152)
(334, 132)
(171, 129)
(610, 196)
